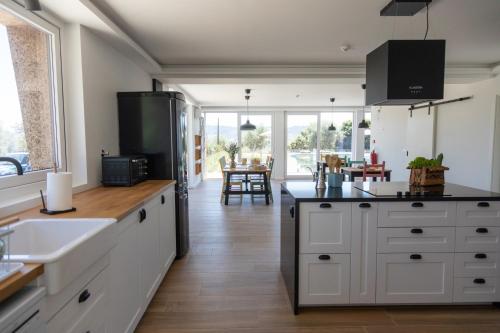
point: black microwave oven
(124, 170)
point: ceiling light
(247, 126)
(32, 5)
(332, 127)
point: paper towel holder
(44, 210)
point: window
(29, 127)
(337, 142)
(302, 135)
(257, 143)
(367, 136)
(220, 130)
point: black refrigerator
(154, 124)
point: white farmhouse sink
(66, 247)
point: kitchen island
(388, 243)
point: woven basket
(427, 176)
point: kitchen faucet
(315, 174)
(15, 162)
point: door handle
(479, 281)
(141, 215)
(417, 205)
(483, 204)
(325, 205)
(416, 231)
(85, 295)
(480, 256)
(482, 230)
(292, 211)
(324, 257)
(416, 257)
(162, 199)
(364, 205)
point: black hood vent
(405, 72)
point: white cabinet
(479, 213)
(363, 253)
(325, 227)
(417, 214)
(415, 278)
(473, 239)
(126, 296)
(476, 264)
(167, 228)
(149, 247)
(324, 279)
(145, 249)
(429, 239)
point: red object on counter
(373, 157)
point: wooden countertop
(106, 202)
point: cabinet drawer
(478, 213)
(477, 239)
(477, 289)
(325, 227)
(324, 279)
(476, 264)
(91, 296)
(401, 279)
(430, 239)
(417, 214)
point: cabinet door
(125, 277)
(167, 229)
(363, 253)
(417, 214)
(324, 279)
(149, 246)
(479, 213)
(325, 227)
(402, 279)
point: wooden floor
(230, 282)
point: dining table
(247, 171)
(353, 172)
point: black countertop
(306, 191)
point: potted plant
(427, 172)
(232, 149)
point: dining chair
(350, 163)
(259, 182)
(374, 171)
(232, 183)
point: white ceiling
(275, 95)
(280, 32)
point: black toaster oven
(124, 170)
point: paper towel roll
(59, 191)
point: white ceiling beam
(223, 108)
(327, 74)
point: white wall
(464, 132)
(105, 72)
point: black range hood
(405, 72)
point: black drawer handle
(482, 230)
(479, 281)
(325, 205)
(324, 257)
(162, 199)
(416, 231)
(416, 257)
(480, 256)
(85, 295)
(417, 205)
(292, 211)
(145, 214)
(141, 216)
(364, 205)
(483, 204)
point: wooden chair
(259, 182)
(374, 171)
(232, 183)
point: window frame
(56, 95)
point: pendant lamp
(364, 124)
(248, 126)
(332, 127)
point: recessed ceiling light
(297, 96)
(345, 48)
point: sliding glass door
(302, 144)
(220, 130)
(257, 143)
